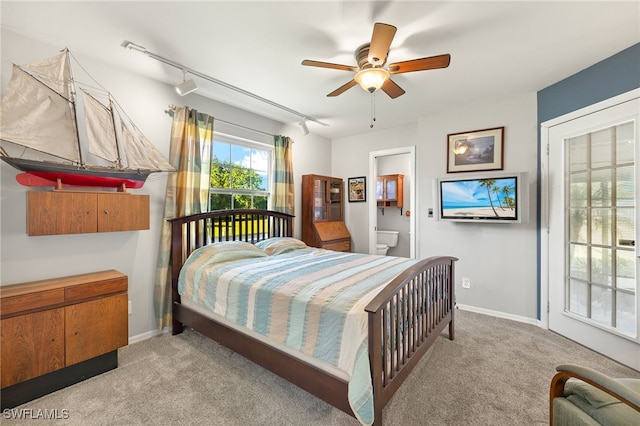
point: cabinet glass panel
(335, 198)
(391, 189)
(319, 199)
(379, 186)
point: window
(240, 174)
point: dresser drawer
(28, 302)
(100, 288)
(344, 245)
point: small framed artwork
(357, 189)
(478, 150)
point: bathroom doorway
(391, 162)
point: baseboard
(153, 333)
(144, 336)
(499, 314)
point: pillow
(225, 251)
(279, 245)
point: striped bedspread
(309, 299)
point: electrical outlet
(466, 282)
(129, 307)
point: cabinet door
(31, 345)
(122, 212)
(96, 327)
(335, 200)
(379, 189)
(391, 189)
(55, 213)
(319, 199)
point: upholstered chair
(582, 396)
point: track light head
(129, 45)
(303, 126)
(186, 87)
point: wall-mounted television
(497, 198)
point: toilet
(386, 239)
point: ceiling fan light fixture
(371, 79)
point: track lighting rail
(132, 46)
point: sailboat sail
(139, 150)
(34, 118)
(100, 129)
(82, 136)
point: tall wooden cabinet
(57, 332)
(323, 213)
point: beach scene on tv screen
(479, 198)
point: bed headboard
(251, 225)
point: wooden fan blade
(422, 64)
(343, 88)
(392, 89)
(329, 65)
(380, 43)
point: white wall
(24, 258)
(500, 259)
(350, 158)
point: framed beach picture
(357, 189)
(478, 150)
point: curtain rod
(132, 46)
(173, 108)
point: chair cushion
(601, 406)
(567, 414)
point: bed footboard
(405, 318)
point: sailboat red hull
(39, 179)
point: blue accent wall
(616, 75)
(611, 77)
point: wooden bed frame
(416, 307)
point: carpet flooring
(496, 372)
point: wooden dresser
(57, 332)
(323, 213)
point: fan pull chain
(373, 109)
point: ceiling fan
(371, 58)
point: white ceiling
(497, 48)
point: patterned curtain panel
(283, 190)
(187, 192)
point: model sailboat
(58, 130)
